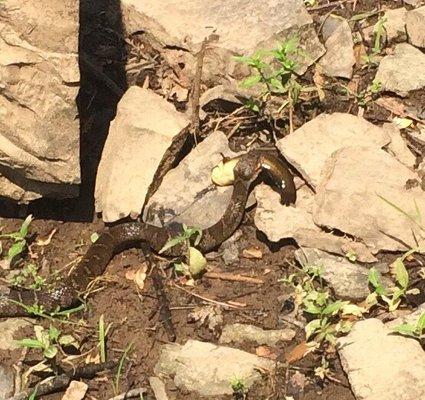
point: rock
(145, 127)
(39, 131)
(238, 333)
(363, 193)
(187, 194)
(339, 58)
(415, 25)
(395, 25)
(398, 147)
(299, 225)
(186, 24)
(414, 3)
(208, 369)
(229, 250)
(402, 71)
(9, 328)
(6, 383)
(158, 388)
(322, 136)
(380, 365)
(348, 280)
(411, 318)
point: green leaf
(405, 329)
(421, 323)
(94, 236)
(68, 340)
(312, 327)
(402, 123)
(197, 261)
(401, 274)
(16, 249)
(353, 309)
(311, 308)
(53, 333)
(333, 308)
(50, 352)
(251, 81)
(31, 343)
(23, 232)
(171, 243)
(375, 280)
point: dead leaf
(266, 352)
(252, 252)
(210, 316)
(76, 391)
(297, 353)
(319, 81)
(47, 240)
(392, 104)
(138, 277)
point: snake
(67, 293)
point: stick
(61, 382)
(333, 4)
(225, 276)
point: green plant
(416, 330)
(391, 296)
(364, 97)
(195, 261)
(19, 239)
(28, 273)
(116, 383)
(239, 388)
(372, 58)
(102, 333)
(49, 341)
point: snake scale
(66, 294)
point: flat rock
(348, 280)
(145, 127)
(7, 383)
(402, 71)
(208, 369)
(187, 194)
(39, 131)
(186, 24)
(395, 25)
(9, 329)
(158, 388)
(281, 222)
(380, 365)
(415, 25)
(362, 193)
(238, 333)
(339, 58)
(410, 318)
(308, 148)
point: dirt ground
(131, 312)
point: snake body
(93, 264)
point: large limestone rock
(145, 127)
(308, 148)
(380, 365)
(39, 132)
(209, 369)
(402, 71)
(363, 193)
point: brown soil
(132, 312)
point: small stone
(395, 25)
(381, 365)
(238, 333)
(415, 24)
(158, 388)
(402, 71)
(6, 383)
(339, 58)
(208, 369)
(76, 391)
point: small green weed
(28, 276)
(19, 239)
(416, 330)
(49, 341)
(372, 59)
(116, 383)
(239, 388)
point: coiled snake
(66, 293)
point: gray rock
(339, 58)
(402, 71)
(238, 333)
(209, 369)
(395, 25)
(39, 133)
(415, 25)
(322, 136)
(145, 127)
(229, 249)
(363, 193)
(6, 383)
(380, 365)
(348, 280)
(187, 194)
(299, 225)
(411, 318)
(9, 329)
(186, 24)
